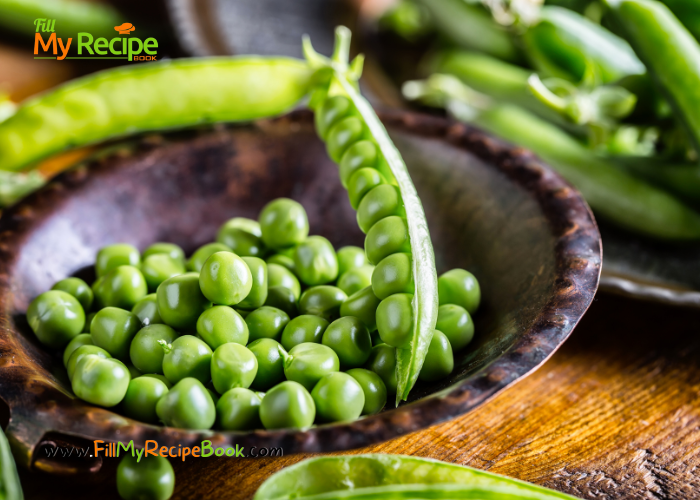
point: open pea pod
(393, 476)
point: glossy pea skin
(278, 275)
(243, 236)
(382, 361)
(113, 256)
(338, 397)
(282, 260)
(121, 287)
(288, 405)
(382, 201)
(258, 292)
(88, 322)
(350, 257)
(56, 317)
(461, 288)
(200, 256)
(342, 135)
(233, 365)
(146, 352)
(386, 237)
(159, 267)
(238, 410)
(100, 381)
(393, 275)
(180, 301)
(395, 320)
(323, 301)
(266, 323)
(169, 249)
(159, 377)
(74, 344)
(362, 182)
(439, 361)
(225, 279)
(147, 310)
(282, 298)
(362, 154)
(355, 279)
(315, 261)
(151, 478)
(113, 329)
(141, 398)
(350, 340)
(78, 289)
(457, 325)
(304, 328)
(189, 357)
(80, 353)
(362, 305)
(283, 223)
(269, 354)
(373, 388)
(221, 324)
(307, 363)
(188, 405)
(333, 109)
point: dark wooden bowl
(498, 211)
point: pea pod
(150, 96)
(10, 487)
(396, 198)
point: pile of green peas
(267, 327)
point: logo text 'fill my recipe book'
(123, 46)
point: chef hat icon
(125, 29)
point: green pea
(305, 328)
(393, 275)
(288, 405)
(382, 361)
(342, 135)
(121, 287)
(113, 256)
(350, 257)
(439, 361)
(315, 261)
(278, 275)
(146, 352)
(269, 353)
(225, 279)
(307, 363)
(78, 289)
(362, 154)
(238, 410)
(56, 317)
(159, 377)
(113, 329)
(200, 256)
(80, 353)
(350, 340)
(73, 345)
(386, 237)
(150, 478)
(266, 323)
(88, 322)
(220, 325)
(243, 236)
(258, 292)
(141, 398)
(324, 301)
(362, 305)
(373, 388)
(188, 405)
(282, 298)
(169, 249)
(233, 365)
(147, 310)
(382, 201)
(133, 371)
(100, 381)
(214, 395)
(241, 312)
(283, 223)
(361, 182)
(356, 279)
(159, 267)
(338, 398)
(180, 301)
(333, 109)
(284, 261)
(187, 357)
(461, 288)
(395, 320)
(457, 325)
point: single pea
(187, 357)
(350, 257)
(88, 322)
(385, 169)
(233, 365)
(283, 223)
(356, 279)
(382, 201)
(284, 261)
(382, 361)
(342, 135)
(307, 363)
(214, 395)
(315, 261)
(113, 329)
(239, 410)
(268, 352)
(393, 275)
(243, 236)
(395, 320)
(386, 237)
(288, 405)
(169, 249)
(266, 322)
(113, 256)
(56, 317)
(200, 256)
(220, 325)
(373, 388)
(461, 288)
(146, 350)
(180, 301)
(278, 275)
(362, 182)
(80, 353)
(305, 328)
(159, 377)
(147, 310)
(324, 301)
(282, 298)
(78, 289)
(100, 381)
(121, 287)
(74, 344)
(159, 267)
(362, 154)
(333, 109)
(439, 361)
(350, 340)
(362, 305)
(225, 279)
(141, 399)
(258, 292)
(338, 398)
(150, 478)
(457, 325)
(188, 405)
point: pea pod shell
(10, 487)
